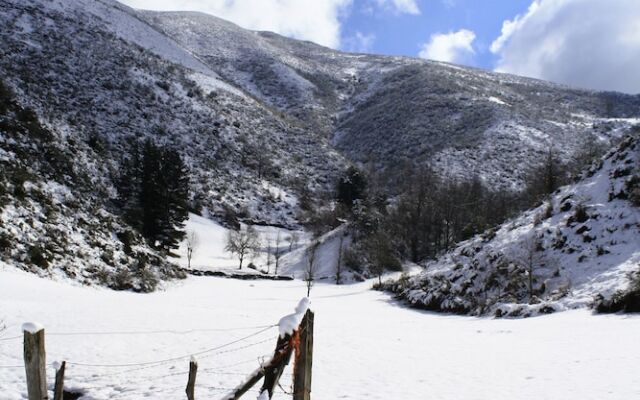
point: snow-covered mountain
(261, 120)
(582, 244)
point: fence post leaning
(191, 383)
(302, 370)
(58, 388)
(35, 361)
(274, 370)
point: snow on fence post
(35, 361)
(58, 388)
(302, 366)
(289, 327)
(191, 383)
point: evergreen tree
(351, 187)
(153, 193)
(129, 185)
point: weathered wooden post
(280, 360)
(191, 383)
(35, 361)
(302, 371)
(58, 388)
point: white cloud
(456, 47)
(314, 20)
(587, 43)
(359, 42)
(400, 6)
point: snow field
(366, 345)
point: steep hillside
(384, 110)
(97, 73)
(264, 123)
(53, 219)
(584, 242)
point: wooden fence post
(273, 372)
(302, 370)
(58, 388)
(191, 383)
(35, 361)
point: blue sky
(593, 44)
(397, 33)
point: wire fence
(169, 368)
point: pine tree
(129, 185)
(153, 193)
(351, 187)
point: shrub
(148, 280)
(122, 280)
(38, 257)
(5, 242)
(627, 300)
(580, 214)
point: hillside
(583, 243)
(382, 111)
(264, 123)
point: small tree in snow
(531, 257)
(242, 242)
(193, 241)
(293, 240)
(310, 271)
(269, 254)
(339, 263)
(277, 251)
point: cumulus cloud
(586, 43)
(314, 20)
(456, 47)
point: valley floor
(366, 345)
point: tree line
(432, 214)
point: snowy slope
(210, 253)
(259, 119)
(365, 347)
(381, 110)
(582, 243)
(296, 263)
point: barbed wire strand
(208, 355)
(167, 360)
(150, 332)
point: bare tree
(531, 257)
(339, 263)
(193, 241)
(381, 255)
(242, 242)
(293, 240)
(278, 252)
(310, 271)
(269, 254)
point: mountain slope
(242, 155)
(264, 123)
(385, 110)
(583, 242)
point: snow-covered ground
(366, 345)
(210, 253)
